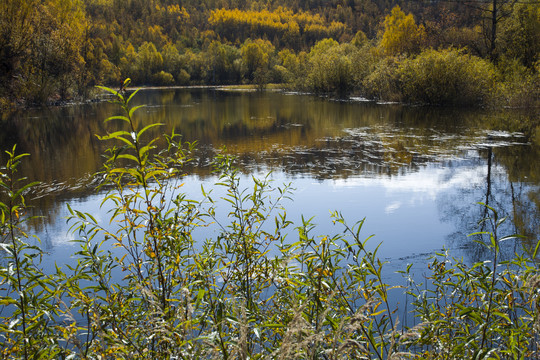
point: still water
(415, 174)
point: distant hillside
(57, 49)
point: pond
(415, 174)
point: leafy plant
(446, 77)
(29, 298)
(486, 310)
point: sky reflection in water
(415, 174)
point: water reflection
(415, 173)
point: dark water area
(416, 174)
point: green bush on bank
(518, 86)
(169, 294)
(384, 83)
(446, 77)
(433, 77)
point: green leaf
(107, 137)
(109, 90)
(132, 94)
(154, 174)
(25, 187)
(146, 128)
(535, 252)
(144, 150)
(115, 135)
(129, 157)
(118, 117)
(133, 109)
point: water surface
(415, 174)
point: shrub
(330, 67)
(446, 77)
(485, 311)
(519, 86)
(363, 62)
(163, 78)
(383, 83)
(183, 77)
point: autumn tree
(401, 34)
(520, 34)
(17, 23)
(223, 63)
(330, 67)
(256, 57)
(149, 62)
(287, 27)
(40, 46)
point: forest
(464, 52)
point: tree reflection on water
(301, 136)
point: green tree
(17, 22)
(40, 47)
(256, 57)
(222, 63)
(520, 34)
(149, 61)
(330, 67)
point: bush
(519, 86)
(363, 62)
(330, 67)
(163, 78)
(183, 77)
(383, 83)
(446, 77)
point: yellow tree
(401, 34)
(17, 19)
(40, 44)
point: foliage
(518, 86)
(520, 34)
(256, 57)
(401, 34)
(223, 62)
(446, 77)
(40, 48)
(56, 50)
(282, 23)
(226, 277)
(384, 83)
(330, 67)
(487, 310)
(30, 299)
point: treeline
(285, 27)
(442, 52)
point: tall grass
(147, 286)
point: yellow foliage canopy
(401, 34)
(282, 22)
